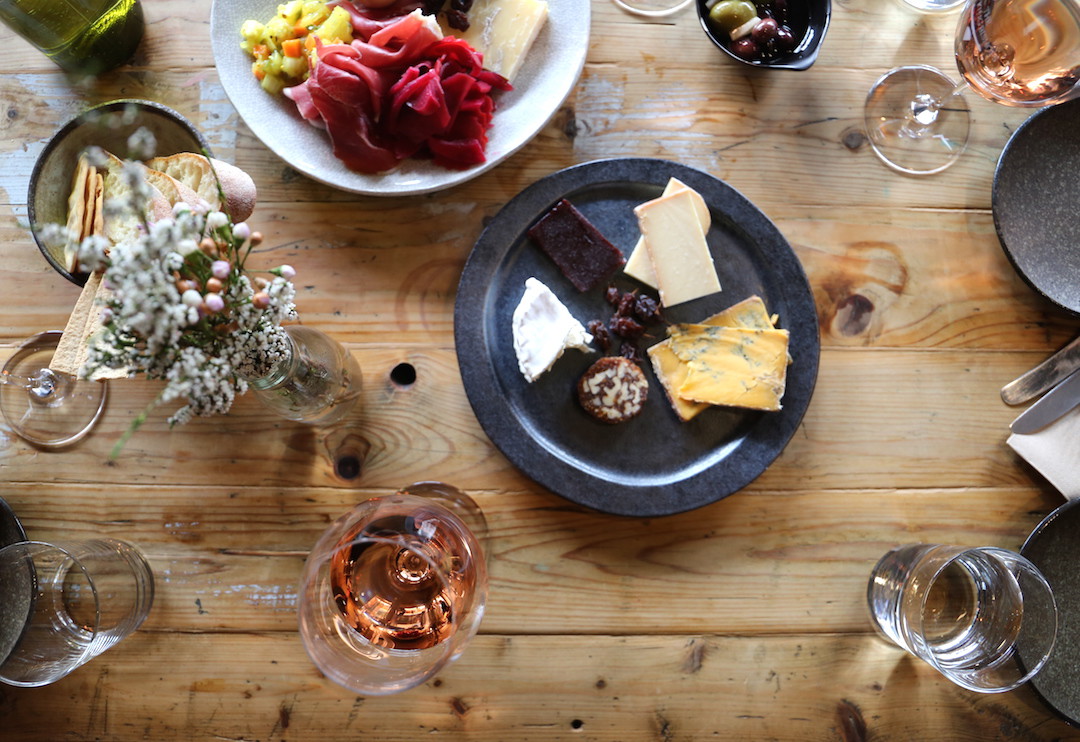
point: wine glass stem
(19, 381)
(924, 112)
(42, 386)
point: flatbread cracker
(76, 212)
(98, 226)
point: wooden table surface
(743, 620)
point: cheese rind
(503, 31)
(732, 366)
(677, 248)
(639, 264)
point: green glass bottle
(84, 37)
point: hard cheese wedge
(503, 31)
(732, 366)
(677, 248)
(639, 265)
(672, 372)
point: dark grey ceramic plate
(108, 126)
(13, 611)
(654, 464)
(1035, 203)
(1053, 547)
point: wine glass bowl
(807, 19)
(47, 408)
(395, 589)
(1020, 53)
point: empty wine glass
(395, 589)
(1023, 53)
(45, 407)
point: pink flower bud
(214, 302)
(261, 300)
(220, 269)
(241, 231)
(287, 271)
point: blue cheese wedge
(543, 329)
(732, 366)
(672, 372)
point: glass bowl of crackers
(65, 189)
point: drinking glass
(1023, 53)
(63, 604)
(85, 37)
(984, 617)
(932, 6)
(47, 408)
(653, 8)
(395, 589)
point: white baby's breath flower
(182, 309)
(141, 144)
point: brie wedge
(544, 328)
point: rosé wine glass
(1021, 53)
(395, 589)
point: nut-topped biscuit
(613, 390)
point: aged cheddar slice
(639, 265)
(749, 313)
(503, 31)
(672, 372)
(732, 366)
(676, 243)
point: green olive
(728, 15)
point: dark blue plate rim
(746, 442)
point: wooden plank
(229, 559)
(877, 420)
(388, 272)
(263, 687)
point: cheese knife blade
(1044, 376)
(1053, 405)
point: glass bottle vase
(318, 381)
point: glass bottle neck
(280, 371)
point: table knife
(1053, 405)
(1044, 376)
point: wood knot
(850, 722)
(570, 125)
(853, 138)
(853, 315)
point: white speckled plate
(546, 79)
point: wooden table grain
(743, 620)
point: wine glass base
(916, 120)
(652, 8)
(48, 418)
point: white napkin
(1055, 452)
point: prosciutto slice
(399, 90)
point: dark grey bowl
(14, 607)
(1052, 547)
(809, 21)
(108, 126)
